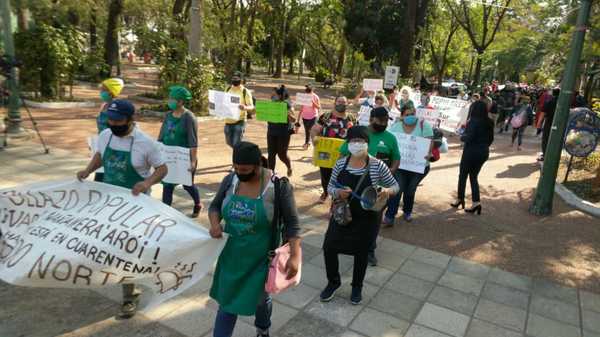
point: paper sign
(442, 112)
(71, 234)
(223, 105)
(274, 112)
(93, 145)
(391, 76)
(326, 151)
(178, 163)
(413, 151)
(364, 115)
(372, 84)
(304, 99)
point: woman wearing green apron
(109, 90)
(245, 201)
(181, 129)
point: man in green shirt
(383, 146)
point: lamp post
(14, 116)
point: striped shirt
(380, 175)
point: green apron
(173, 133)
(118, 168)
(239, 280)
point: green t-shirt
(382, 145)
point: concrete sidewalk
(414, 292)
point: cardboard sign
(413, 151)
(391, 76)
(177, 159)
(326, 151)
(304, 99)
(370, 84)
(71, 234)
(223, 105)
(274, 112)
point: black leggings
(470, 164)
(278, 146)
(332, 266)
(167, 196)
(308, 124)
(325, 176)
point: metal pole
(544, 194)
(14, 116)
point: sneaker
(329, 291)
(128, 309)
(372, 259)
(407, 217)
(387, 222)
(196, 211)
(262, 333)
(356, 296)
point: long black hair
(479, 111)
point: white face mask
(357, 149)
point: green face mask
(172, 104)
(105, 96)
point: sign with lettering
(223, 105)
(445, 113)
(304, 99)
(177, 159)
(373, 84)
(391, 76)
(326, 151)
(72, 234)
(413, 151)
(364, 115)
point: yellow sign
(326, 151)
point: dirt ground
(564, 247)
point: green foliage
(321, 74)
(93, 66)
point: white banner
(370, 84)
(71, 234)
(177, 159)
(413, 151)
(364, 115)
(391, 76)
(442, 112)
(304, 99)
(223, 105)
(93, 145)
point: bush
(93, 66)
(321, 74)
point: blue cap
(120, 109)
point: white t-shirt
(145, 152)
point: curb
(59, 105)
(574, 201)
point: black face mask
(245, 177)
(340, 108)
(119, 130)
(379, 127)
(236, 82)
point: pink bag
(276, 279)
(518, 120)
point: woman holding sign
(279, 134)
(408, 124)
(247, 201)
(309, 115)
(181, 129)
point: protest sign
(370, 84)
(223, 105)
(304, 99)
(413, 151)
(71, 234)
(274, 112)
(391, 76)
(177, 159)
(442, 112)
(326, 151)
(364, 114)
(93, 145)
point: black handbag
(340, 208)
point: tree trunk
(301, 62)
(291, 66)
(250, 34)
(409, 38)
(93, 29)
(478, 68)
(195, 39)
(341, 59)
(281, 47)
(23, 15)
(111, 41)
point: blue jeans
(225, 322)
(234, 133)
(408, 182)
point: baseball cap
(380, 112)
(120, 109)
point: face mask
(357, 149)
(236, 83)
(245, 177)
(119, 130)
(340, 107)
(379, 127)
(410, 120)
(105, 96)
(172, 104)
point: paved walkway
(414, 292)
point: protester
(309, 115)
(234, 128)
(383, 146)
(109, 90)
(405, 99)
(128, 155)
(279, 134)
(407, 180)
(521, 118)
(549, 109)
(544, 97)
(180, 128)
(506, 102)
(246, 203)
(477, 139)
(351, 175)
(334, 124)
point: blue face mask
(410, 120)
(172, 104)
(105, 96)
